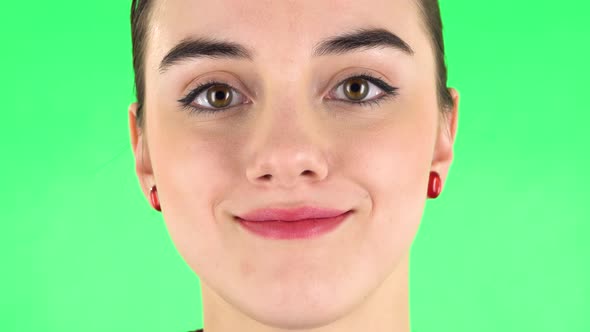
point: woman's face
(291, 136)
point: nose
(286, 148)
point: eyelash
(388, 92)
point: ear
(447, 131)
(143, 167)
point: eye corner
(187, 99)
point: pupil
(355, 87)
(220, 95)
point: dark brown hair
(140, 12)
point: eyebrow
(192, 48)
(361, 39)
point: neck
(385, 310)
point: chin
(301, 303)
(299, 313)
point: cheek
(193, 169)
(395, 154)
(392, 164)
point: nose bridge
(285, 144)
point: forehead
(286, 27)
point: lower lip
(300, 229)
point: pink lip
(305, 222)
(305, 212)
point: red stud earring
(154, 198)
(434, 185)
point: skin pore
(292, 138)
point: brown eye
(219, 96)
(356, 88)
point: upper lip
(293, 214)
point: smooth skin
(288, 146)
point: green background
(505, 247)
